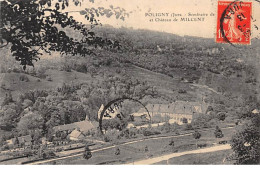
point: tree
(8, 117)
(146, 149)
(197, 136)
(171, 143)
(16, 141)
(36, 136)
(49, 135)
(8, 98)
(218, 133)
(202, 121)
(167, 127)
(246, 142)
(87, 153)
(2, 140)
(221, 116)
(184, 120)
(117, 152)
(30, 121)
(55, 118)
(33, 27)
(210, 108)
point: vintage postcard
(129, 82)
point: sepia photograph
(129, 82)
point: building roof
(23, 139)
(255, 111)
(82, 126)
(178, 107)
(75, 134)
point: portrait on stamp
(234, 22)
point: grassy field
(166, 86)
(11, 81)
(156, 147)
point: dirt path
(169, 156)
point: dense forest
(186, 59)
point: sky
(140, 20)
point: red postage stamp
(234, 22)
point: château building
(174, 112)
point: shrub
(68, 89)
(196, 135)
(133, 132)
(59, 149)
(24, 78)
(26, 103)
(28, 152)
(202, 145)
(181, 91)
(188, 127)
(150, 131)
(210, 108)
(107, 138)
(81, 68)
(92, 70)
(41, 72)
(3, 86)
(171, 143)
(87, 155)
(125, 133)
(31, 72)
(166, 126)
(5, 147)
(201, 121)
(8, 99)
(118, 70)
(147, 133)
(49, 78)
(17, 70)
(218, 133)
(66, 66)
(221, 116)
(184, 120)
(222, 142)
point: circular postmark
(111, 107)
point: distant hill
(184, 59)
(166, 86)
(163, 66)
